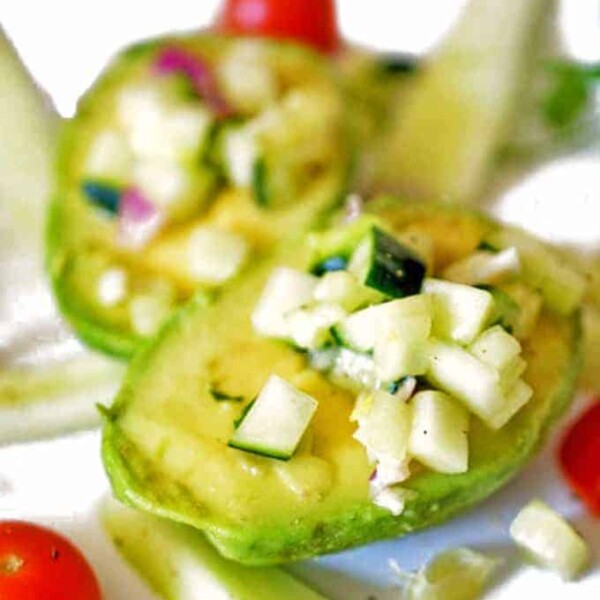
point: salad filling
(190, 157)
(421, 354)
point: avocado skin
(439, 496)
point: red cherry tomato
(38, 564)
(580, 457)
(312, 22)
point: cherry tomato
(312, 22)
(38, 564)
(580, 457)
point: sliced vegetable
(179, 564)
(465, 98)
(276, 422)
(579, 454)
(457, 574)
(384, 264)
(438, 434)
(460, 312)
(549, 540)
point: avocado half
(165, 437)
(81, 239)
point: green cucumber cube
(496, 347)
(460, 312)
(514, 399)
(549, 540)
(276, 421)
(475, 383)
(286, 290)
(438, 435)
(309, 328)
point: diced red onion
(199, 73)
(139, 219)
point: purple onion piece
(199, 73)
(139, 219)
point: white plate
(60, 482)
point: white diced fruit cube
(215, 256)
(240, 155)
(514, 399)
(401, 338)
(496, 347)
(109, 158)
(340, 287)
(247, 78)
(147, 313)
(384, 426)
(163, 183)
(309, 327)
(438, 435)
(484, 267)
(466, 378)
(460, 312)
(286, 290)
(547, 538)
(112, 287)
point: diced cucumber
(247, 78)
(239, 148)
(276, 422)
(164, 183)
(112, 287)
(460, 312)
(514, 399)
(392, 499)
(384, 426)
(561, 285)
(359, 331)
(530, 304)
(457, 574)
(511, 372)
(148, 312)
(286, 290)
(484, 267)
(215, 256)
(179, 564)
(401, 338)
(103, 195)
(341, 287)
(339, 242)
(422, 246)
(507, 311)
(438, 434)
(160, 127)
(309, 327)
(109, 158)
(468, 379)
(495, 347)
(547, 538)
(384, 264)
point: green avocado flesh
(165, 438)
(83, 238)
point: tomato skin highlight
(579, 457)
(311, 22)
(39, 564)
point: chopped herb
(102, 195)
(570, 92)
(485, 245)
(221, 396)
(259, 183)
(397, 64)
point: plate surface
(60, 482)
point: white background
(65, 43)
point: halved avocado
(165, 438)
(83, 231)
